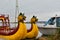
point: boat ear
(20, 13)
(34, 16)
(23, 14)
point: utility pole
(16, 12)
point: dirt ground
(41, 38)
(46, 38)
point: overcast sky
(43, 9)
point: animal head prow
(34, 19)
(21, 17)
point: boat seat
(10, 31)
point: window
(58, 21)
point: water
(28, 25)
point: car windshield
(50, 21)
